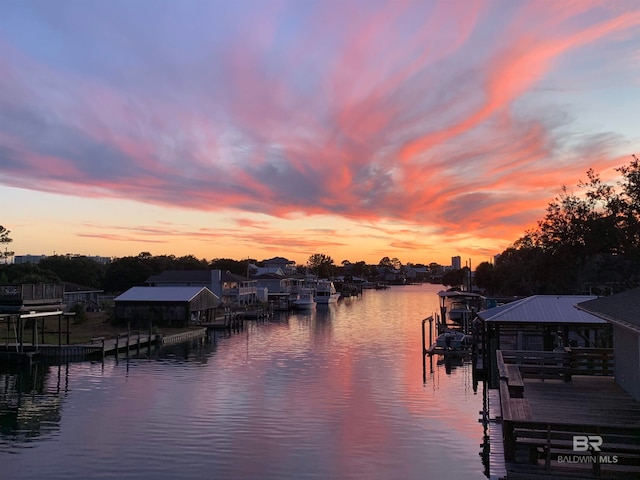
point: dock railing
(564, 364)
(591, 361)
(569, 446)
(560, 446)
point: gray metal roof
(542, 309)
(622, 308)
(162, 294)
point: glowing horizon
(416, 130)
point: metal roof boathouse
(623, 312)
(167, 306)
(556, 383)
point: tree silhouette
(4, 240)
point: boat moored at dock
(305, 301)
(326, 292)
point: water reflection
(30, 402)
(332, 393)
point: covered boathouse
(167, 306)
(553, 386)
(622, 310)
(541, 323)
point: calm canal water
(333, 394)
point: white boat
(305, 301)
(459, 307)
(326, 292)
(452, 340)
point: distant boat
(460, 307)
(326, 292)
(305, 301)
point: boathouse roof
(621, 309)
(163, 294)
(547, 309)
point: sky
(416, 130)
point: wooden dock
(543, 414)
(128, 343)
(497, 468)
(229, 321)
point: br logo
(584, 443)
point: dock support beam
(424, 347)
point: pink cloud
(413, 111)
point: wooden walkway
(99, 347)
(541, 418)
(497, 467)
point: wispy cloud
(455, 116)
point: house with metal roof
(622, 311)
(174, 306)
(230, 288)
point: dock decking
(584, 399)
(99, 347)
(542, 417)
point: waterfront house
(622, 311)
(274, 283)
(174, 306)
(288, 267)
(417, 274)
(255, 271)
(230, 288)
(75, 294)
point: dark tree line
(117, 276)
(587, 242)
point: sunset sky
(358, 129)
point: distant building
(230, 288)
(287, 266)
(100, 260)
(256, 271)
(22, 259)
(456, 263)
(417, 273)
(75, 294)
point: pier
(27, 339)
(546, 404)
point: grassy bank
(94, 325)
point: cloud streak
(455, 116)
